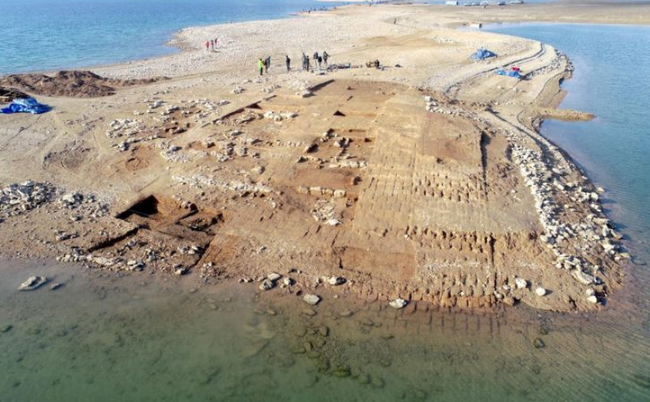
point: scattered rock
(6, 328)
(540, 291)
(592, 299)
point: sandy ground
(424, 179)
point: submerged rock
(538, 343)
(34, 282)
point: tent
(512, 73)
(28, 105)
(483, 54)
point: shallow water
(611, 82)
(138, 339)
(45, 35)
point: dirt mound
(76, 84)
(9, 94)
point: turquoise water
(611, 80)
(42, 35)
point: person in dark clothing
(320, 60)
(325, 57)
(267, 64)
(306, 63)
(315, 60)
(287, 60)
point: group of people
(264, 65)
(320, 60)
(211, 44)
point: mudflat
(423, 179)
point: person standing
(320, 60)
(260, 65)
(307, 63)
(215, 42)
(325, 57)
(267, 63)
(287, 60)
(315, 60)
(212, 44)
(207, 45)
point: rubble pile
(16, 199)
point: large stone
(540, 291)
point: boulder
(540, 291)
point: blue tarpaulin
(29, 105)
(511, 73)
(483, 54)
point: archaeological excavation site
(370, 189)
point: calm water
(53, 34)
(611, 81)
(117, 339)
